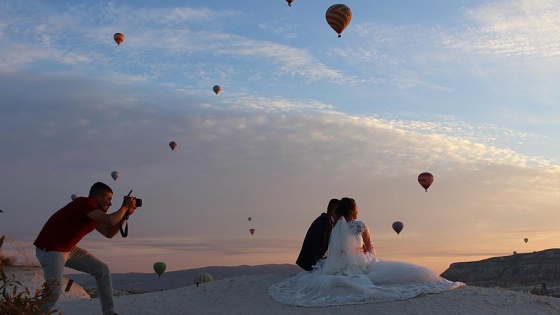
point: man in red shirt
(56, 244)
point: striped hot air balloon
(203, 278)
(338, 16)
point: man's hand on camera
(130, 203)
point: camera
(138, 202)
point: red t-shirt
(66, 227)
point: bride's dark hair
(345, 207)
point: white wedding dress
(350, 276)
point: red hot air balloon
(398, 226)
(119, 38)
(425, 180)
(252, 231)
(216, 89)
(289, 2)
(172, 145)
(338, 16)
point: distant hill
(523, 272)
(147, 282)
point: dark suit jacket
(316, 242)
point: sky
(465, 90)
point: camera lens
(138, 202)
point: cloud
(177, 36)
(75, 108)
(514, 28)
(284, 30)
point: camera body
(138, 202)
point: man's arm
(108, 230)
(108, 224)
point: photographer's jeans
(53, 264)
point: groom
(316, 240)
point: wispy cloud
(174, 34)
(514, 28)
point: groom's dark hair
(333, 205)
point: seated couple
(351, 273)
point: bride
(352, 274)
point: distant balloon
(338, 16)
(249, 218)
(526, 240)
(119, 38)
(425, 180)
(172, 145)
(74, 196)
(398, 226)
(216, 89)
(252, 231)
(203, 278)
(290, 2)
(115, 175)
(159, 268)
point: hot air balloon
(74, 196)
(159, 268)
(398, 226)
(172, 145)
(338, 16)
(252, 231)
(115, 175)
(249, 218)
(289, 2)
(425, 180)
(216, 89)
(119, 38)
(526, 240)
(203, 278)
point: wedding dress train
(351, 276)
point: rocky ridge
(536, 273)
